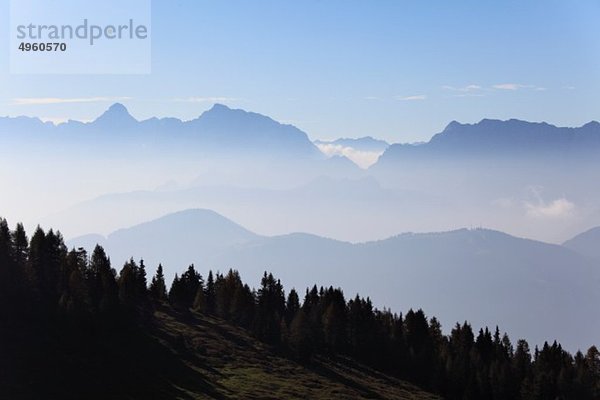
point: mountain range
(491, 138)
(530, 288)
(222, 128)
(218, 129)
(586, 243)
(533, 180)
(321, 206)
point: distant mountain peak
(118, 107)
(496, 123)
(592, 124)
(219, 107)
(586, 243)
(193, 216)
(220, 111)
(452, 125)
(116, 114)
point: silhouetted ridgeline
(74, 328)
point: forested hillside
(75, 328)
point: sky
(397, 70)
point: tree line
(41, 280)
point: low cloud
(464, 89)
(516, 86)
(535, 206)
(363, 159)
(471, 90)
(412, 98)
(558, 208)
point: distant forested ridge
(72, 326)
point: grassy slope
(230, 364)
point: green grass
(232, 365)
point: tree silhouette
(210, 293)
(59, 308)
(185, 288)
(158, 288)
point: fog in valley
(235, 189)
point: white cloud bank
(464, 89)
(412, 98)
(559, 208)
(363, 159)
(509, 86)
(517, 86)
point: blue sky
(399, 70)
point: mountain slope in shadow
(586, 243)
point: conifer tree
(104, 292)
(200, 301)
(158, 288)
(292, 306)
(129, 284)
(20, 246)
(184, 289)
(243, 306)
(334, 320)
(74, 298)
(270, 309)
(300, 338)
(141, 281)
(210, 294)
(7, 275)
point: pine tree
(47, 254)
(158, 288)
(522, 360)
(20, 246)
(200, 301)
(192, 282)
(299, 339)
(243, 306)
(5, 243)
(292, 306)
(141, 282)
(270, 309)
(104, 292)
(129, 285)
(225, 288)
(185, 288)
(334, 321)
(177, 293)
(7, 275)
(74, 299)
(210, 294)
(17, 280)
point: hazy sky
(399, 70)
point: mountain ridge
(117, 112)
(586, 243)
(494, 138)
(402, 271)
(219, 128)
